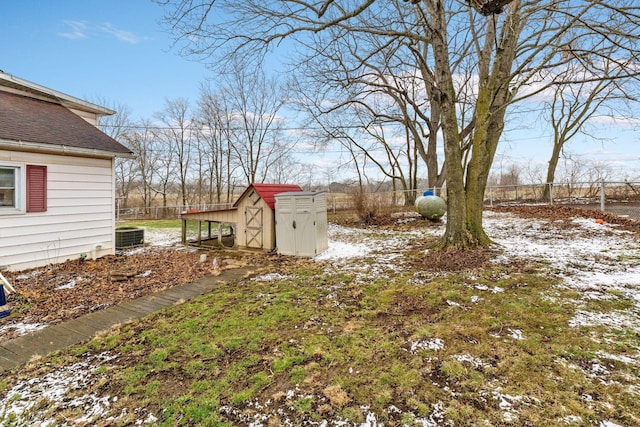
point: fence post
(602, 196)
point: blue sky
(112, 49)
(116, 50)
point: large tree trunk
(465, 198)
(456, 234)
(489, 126)
(551, 171)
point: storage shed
(251, 219)
(301, 223)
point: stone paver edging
(57, 337)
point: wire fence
(617, 197)
(620, 198)
(163, 212)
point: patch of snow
(30, 274)
(494, 290)
(341, 250)
(597, 260)
(353, 242)
(509, 404)
(434, 344)
(289, 415)
(68, 285)
(23, 328)
(162, 236)
(150, 419)
(572, 419)
(623, 359)
(271, 277)
(470, 360)
(599, 369)
(145, 273)
(516, 334)
(613, 319)
(51, 390)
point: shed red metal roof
(268, 192)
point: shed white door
(285, 214)
(295, 226)
(304, 227)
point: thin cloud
(122, 35)
(76, 30)
(82, 30)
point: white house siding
(79, 219)
(89, 117)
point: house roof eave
(36, 147)
(64, 99)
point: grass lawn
(153, 223)
(368, 342)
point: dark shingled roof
(31, 120)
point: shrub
(371, 208)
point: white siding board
(53, 253)
(76, 185)
(20, 244)
(102, 205)
(42, 230)
(62, 176)
(85, 194)
(80, 213)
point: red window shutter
(36, 188)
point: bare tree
(511, 176)
(148, 154)
(574, 104)
(118, 126)
(376, 101)
(258, 140)
(513, 54)
(176, 134)
(287, 169)
(214, 131)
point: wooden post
(199, 232)
(184, 231)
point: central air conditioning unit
(129, 237)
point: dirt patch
(50, 295)
(457, 260)
(566, 213)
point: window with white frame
(8, 187)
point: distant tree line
(199, 152)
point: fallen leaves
(64, 291)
